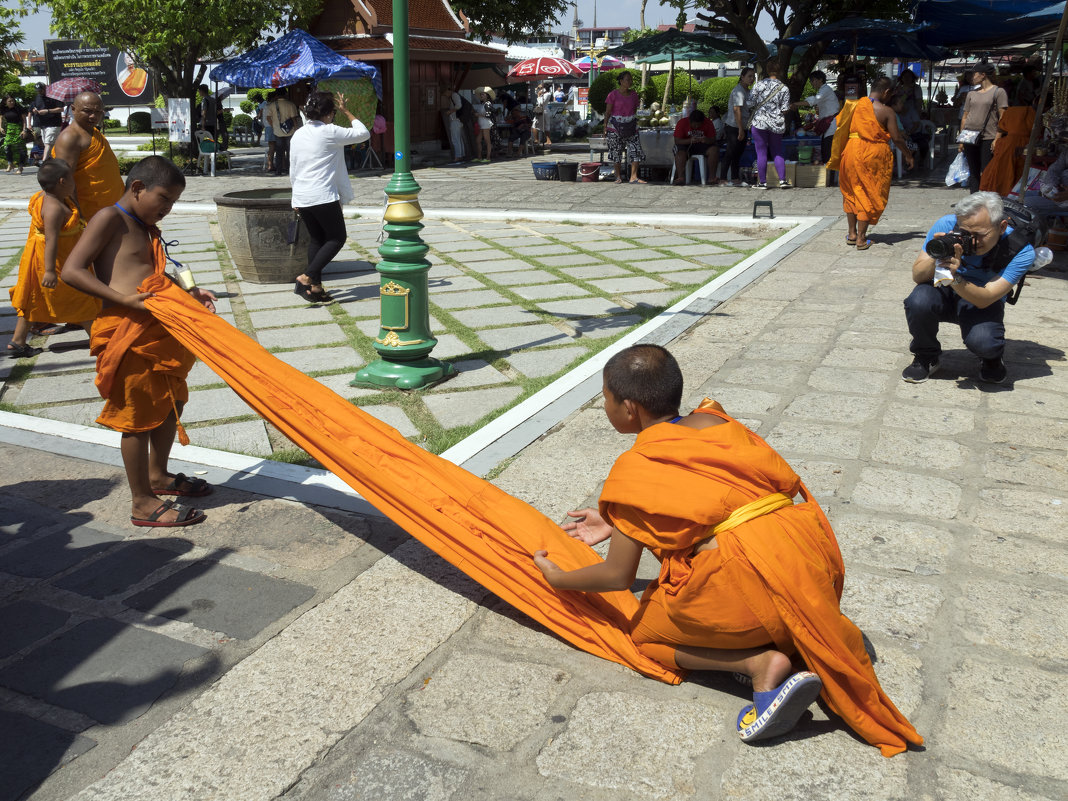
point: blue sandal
(776, 712)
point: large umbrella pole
(1037, 126)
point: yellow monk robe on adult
(775, 579)
(1003, 171)
(140, 368)
(37, 303)
(96, 177)
(861, 154)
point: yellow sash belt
(761, 506)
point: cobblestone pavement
(313, 651)
(513, 306)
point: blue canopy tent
(858, 36)
(985, 24)
(296, 56)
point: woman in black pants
(982, 111)
(321, 184)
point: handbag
(958, 171)
(287, 126)
(822, 124)
(626, 129)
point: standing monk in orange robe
(41, 295)
(861, 154)
(141, 368)
(96, 170)
(1006, 165)
(748, 578)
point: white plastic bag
(958, 171)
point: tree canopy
(737, 18)
(513, 20)
(10, 39)
(169, 37)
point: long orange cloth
(62, 303)
(860, 152)
(480, 529)
(672, 487)
(140, 368)
(1003, 171)
(96, 177)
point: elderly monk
(96, 170)
(1007, 163)
(748, 579)
(861, 154)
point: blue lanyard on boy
(182, 273)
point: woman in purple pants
(769, 100)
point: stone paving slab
(520, 337)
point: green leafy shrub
(139, 122)
(228, 117)
(716, 92)
(111, 125)
(242, 121)
(257, 95)
(654, 90)
(247, 106)
(605, 83)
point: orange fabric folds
(140, 367)
(480, 529)
(866, 164)
(774, 579)
(62, 304)
(1006, 166)
(97, 177)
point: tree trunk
(641, 25)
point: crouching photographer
(970, 263)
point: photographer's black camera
(941, 247)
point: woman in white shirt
(321, 184)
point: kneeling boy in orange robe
(141, 368)
(41, 296)
(748, 578)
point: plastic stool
(758, 203)
(702, 163)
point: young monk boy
(141, 368)
(749, 579)
(40, 296)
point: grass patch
(293, 455)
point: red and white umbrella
(67, 89)
(544, 67)
(586, 63)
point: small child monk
(750, 580)
(141, 368)
(41, 296)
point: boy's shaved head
(51, 173)
(155, 171)
(647, 375)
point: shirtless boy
(750, 579)
(141, 368)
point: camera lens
(941, 247)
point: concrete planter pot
(256, 227)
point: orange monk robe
(96, 177)
(477, 527)
(62, 303)
(860, 152)
(140, 368)
(1003, 171)
(774, 580)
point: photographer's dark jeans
(326, 235)
(983, 330)
(977, 156)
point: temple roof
(349, 17)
